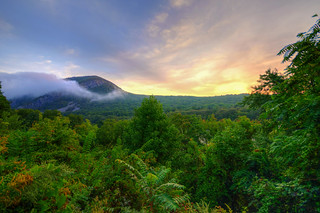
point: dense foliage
(123, 107)
(173, 162)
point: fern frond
(203, 206)
(181, 199)
(133, 172)
(151, 178)
(142, 165)
(162, 174)
(167, 186)
(166, 201)
(229, 209)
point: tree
(261, 93)
(75, 120)
(226, 155)
(151, 130)
(293, 105)
(293, 98)
(299, 99)
(4, 103)
(111, 131)
(29, 116)
(51, 114)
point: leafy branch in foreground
(159, 192)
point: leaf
(61, 200)
(166, 201)
(168, 186)
(162, 174)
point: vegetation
(123, 107)
(173, 162)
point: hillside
(113, 102)
(64, 101)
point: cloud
(155, 25)
(70, 51)
(161, 18)
(182, 47)
(180, 3)
(205, 50)
(37, 84)
(5, 27)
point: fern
(170, 186)
(166, 195)
(162, 174)
(166, 202)
(181, 199)
(135, 174)
(142, 166)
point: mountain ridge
(112, 102)
(95, 84)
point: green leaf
(61, 200)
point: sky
(159, 47)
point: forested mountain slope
(110, 101)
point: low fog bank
(34, 85)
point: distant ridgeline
(107, 100)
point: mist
(34, 84)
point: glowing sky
(160, 47)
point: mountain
(95, 84)
(97, 89)
(104, 99)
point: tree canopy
(4, 103)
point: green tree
(4, 103)
(190, 127)
(151, 130)
(51, 114)
(111, 131)
(29, 116)
(83, 130)
(293, 98)
(89, 141)
(292, 104)
(227, 154)
(75, 119)
(261, 93)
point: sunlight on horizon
(174, 47)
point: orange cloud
(207, 51)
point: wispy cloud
(180, 3)
(70, 51)
(5, 27)
(37, 84)
(186, 47)
(214, 48)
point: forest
(225, 106)
(173, 162)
